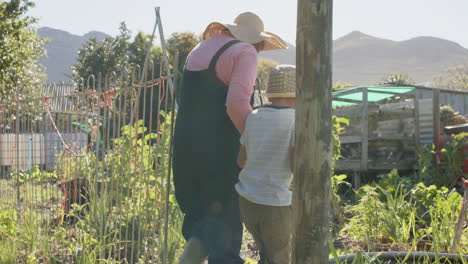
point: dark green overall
(206, 144)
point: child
(266, 156)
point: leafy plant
(392, 181)
(454, 78)
(339, 125)
(20, 52)
(337, 182)
(8, 223)
(34, 175)
(365, 224)
(398, 79)
(452, 155)
(443, 214)
(427, 172)
(127, 187)
(425, 197)
(399, 219)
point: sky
(391, 19)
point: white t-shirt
(268, 137)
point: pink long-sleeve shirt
(236, 67)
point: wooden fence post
(313, 153)
(436, 117)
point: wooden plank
(395, 137)
(392, 93)
(392, 165)
(350, 139)
(355, 165)
(355, 110)
(408, 112)
(347, 100)
(436, 115)
(416, 120)
(364, 130)
(348, 165)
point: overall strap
(214, 60)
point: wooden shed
(389, 124)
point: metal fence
(86, 169)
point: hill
(62, 51)
(362, 59)
(357, 58)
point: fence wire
(95, 187)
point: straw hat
(247, 27)
(282, 81)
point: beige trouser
(271, 228)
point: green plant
(392, 181)
(443, 214)
(21, 49)
(8, 252)
(399, 219)
(427, 172)
(425, 197)
(337, 182)
(28, 244)
(452, 155)
(34, 175)
(365, 224)
(398, 79)
(8, 223)
(124, 219)
(339, 125)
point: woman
(218, 82)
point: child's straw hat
(282, 82)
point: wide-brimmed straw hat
(282, 82)
(247, 27)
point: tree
(449, 117)
(313, 152)
(20, 51)
(114, 55)
(454, 78)
(117, 55)
(182, 42)
(104, 57)
(137, 51)
(398, 79)
(339, 85)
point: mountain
(361, 59)
(62, 50)
(358, 58)
(287, 56)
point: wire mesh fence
(85, 171)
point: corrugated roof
(374, 94)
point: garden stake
(461, 219)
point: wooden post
(417, 125)
(313, 164)
(364, 137)
(436, 117)
(461, 220)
